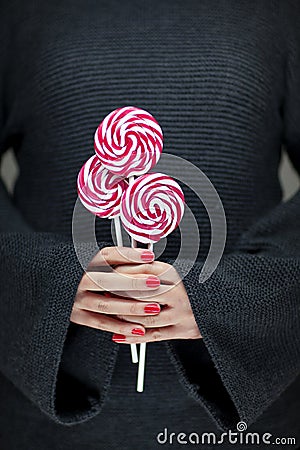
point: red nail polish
(118, 337)
(138, 331)
(152, 308)
(147, 256)
(152, 281)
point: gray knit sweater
(223, 79)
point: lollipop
(99, 190)
(129, 141)
(152, 207)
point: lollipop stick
(142, 356)
(141, 368)
(142, 359)
(118, 231)
(117, 224)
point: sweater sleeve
(63, 368)
(248, 311)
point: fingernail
(152, 281)
(138, 331)
(118, 337)
(152, 308)
(147, 256)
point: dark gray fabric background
(222, 78)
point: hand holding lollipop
(127, 143)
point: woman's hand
(139, 300)
(101, 294)
(176, 319)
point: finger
(151, 335)
(119, 306)
(166, 273)
(163, 294)
(115, 282)
(158, 334)
(105, 323)
(122, 255)
(164, 319)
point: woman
(222, 78)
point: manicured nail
(152, 308)
(118, 337)
(147, 256)
(138, 331)
(152, 281)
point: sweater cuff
(254, 352)
(85, 357)
(64, 369)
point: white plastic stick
(117, 224)
(142, 358)
(141, 368)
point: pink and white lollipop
(129, 141)
(99, 190)
(152, 207)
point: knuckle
(156, 335)
(135, 283)
(133, 308)
(147, 268)
(124, 328)
(150, 321)
(105, 252)
(102, 306)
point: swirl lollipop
(152, 207)
(99, 190)
(129, 141)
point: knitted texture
(223, 80)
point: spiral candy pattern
(152, 207)
(128, 141)
(99, 190)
